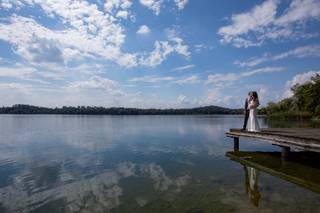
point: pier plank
(301, 138)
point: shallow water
(57, 163)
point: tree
(307, 96)
(305, 99)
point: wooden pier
(307, 139)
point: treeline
(93, 110)
(304, 104)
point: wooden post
(236, 144)
(285, 150)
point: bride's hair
(255, 95)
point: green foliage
(291, 115)
(304, 103)
(308, 95)
(262, 111)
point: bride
(253, 125)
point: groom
(246, 111)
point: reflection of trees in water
(251, 181)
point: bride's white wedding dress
(253, 124)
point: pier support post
(236, 144)
(285, 150)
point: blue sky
(155, 53)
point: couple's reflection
(251, 184)
(301, 168)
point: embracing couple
(250, 120)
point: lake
(61, 163)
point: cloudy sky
(155, 53)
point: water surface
(59, 163)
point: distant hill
(93, 110)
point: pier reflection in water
(301, 168)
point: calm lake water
(57, 163)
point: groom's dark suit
(246, 114)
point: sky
(155, 53)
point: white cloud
(300, 10)
(16, 71)
(262, 70)
(91, 92)
(16, 87)
(42, 51)
(23, 73)
(151, 79)
(15, 93)
(298, 79)
(78, 40)
(122, 14)
(154, 5)
(228, 78)
(181, 98)
(221, 78)
(9, 4)
(214, 97)
(198, 48)
(221, 97)
(260, 16)
(180, 48)
(88, 33)
(54, 88)
(6, 4)
(251, 62)
(111, 5)
(96, 82)
(194, 79)
(159, 54)
(163, 49)
(143, 29)
(261, 23)
(181, 3)
(299, 52)
(210, 97)
(183, 68)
